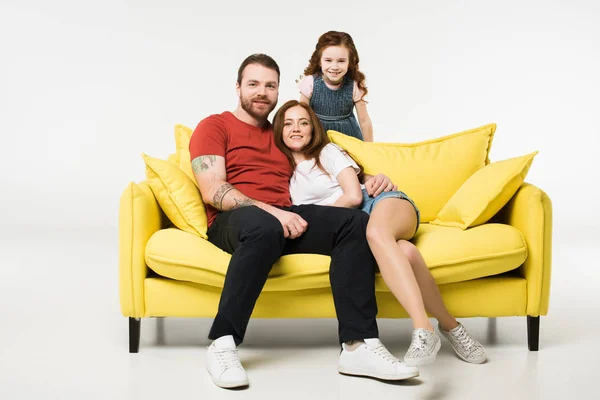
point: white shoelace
(465, 340)
(420, 341)
(228, 358)
(384, 353)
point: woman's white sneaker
(223, 364)
(467, 348)
(373, 359)
(423, 348)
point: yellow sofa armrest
(530, 211)
(139, 217)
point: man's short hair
(260, 59)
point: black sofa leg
(533, 333)
(134, 334)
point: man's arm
(210, 174)
(211, 177)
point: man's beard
(249, 107)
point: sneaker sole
(419, 362)
(470, 361)
(230, 385)
(371, 374)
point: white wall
(85, 89)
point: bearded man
(244, 181)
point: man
(244, 180)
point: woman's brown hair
(334, 38)
(318, 141)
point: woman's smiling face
(297, 129)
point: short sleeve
(209, 138)
(334, 160)
(357, 93)
(306, 86)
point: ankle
(354, 344)
(426, 325)
(448, 327)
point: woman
(325, 174)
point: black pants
(255, 239)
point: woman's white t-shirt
(310, 185)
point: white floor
(62, 337)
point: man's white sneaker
(373, 359)
(467, 348)
(224, 365)
(423, 348)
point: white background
(86, 87)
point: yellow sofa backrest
(429, 172)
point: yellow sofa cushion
(177, 195)
(453, 255)
(182, 150)
(429, 172)
(485, 193)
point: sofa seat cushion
(452, 254)
(456, 255)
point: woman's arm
(366, 126)
(352, 196)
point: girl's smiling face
(334, 64)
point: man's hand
(293, 224)
(379, 183)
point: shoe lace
(465, 340)
(228, 358)
(384, 353)
(419, 340)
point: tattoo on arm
(202, 163)
(220, 194)
(242, 203)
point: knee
(377, 234)
(260, 225)
(410, 250)
(359, 218)
(268, 230)
(354, 221)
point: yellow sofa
(492, 259)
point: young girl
(333, 85)
(325, 174)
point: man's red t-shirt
(253, 163)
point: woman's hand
(378, 184)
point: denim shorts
(369, 202)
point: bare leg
(393, 219)
(429, 289)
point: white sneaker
(373, 359)
(224, 365)
(467, 348)
(423, 348)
